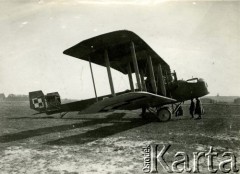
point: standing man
(198, 109)
(192, 108)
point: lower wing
(128, 101)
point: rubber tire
(164, 114)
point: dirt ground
(109, 142)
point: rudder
(37, 101)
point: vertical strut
(109, 72)
(130, 77)
(161, 82)
(134, 59)
(152, 77)
(143, 81)
(95, 91)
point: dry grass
(105, 143)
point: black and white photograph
(119, 86)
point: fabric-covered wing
(117, 44)
(129, 101)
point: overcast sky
(199, 39)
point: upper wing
(118, 45)
(129, 101)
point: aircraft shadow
(21, 118)
(101, 132)
(98, 133)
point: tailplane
(49, 104)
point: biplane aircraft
(158, 89)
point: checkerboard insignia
(38, 103)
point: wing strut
(161, 83)
(95, 91)
(152, 77)
(143, 81)
(130, 77)
(109, 72)
(135, 65)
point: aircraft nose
(204, 87)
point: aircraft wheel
(164, 114)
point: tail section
(53, 102)
(37, 101)
(49, 104)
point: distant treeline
(219, 100)
(16, 97)
(13, 97)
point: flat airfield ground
(109, 142)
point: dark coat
(198, 109)
(192, 108)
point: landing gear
(178, 111)
(143, 114)
(164, 114)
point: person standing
(192, 108)
(198, 109)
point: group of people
(196, 109)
